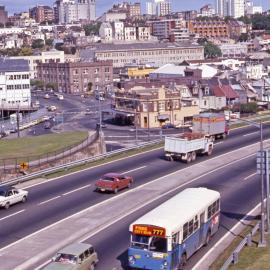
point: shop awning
(163, 117)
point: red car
(113, 182)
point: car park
(76, 256)
(12, 195)
(113, 182)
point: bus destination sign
(149, 230)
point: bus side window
(209, 212)
(185, 231)
(190, 227)
(196, 223)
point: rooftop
(13, 65)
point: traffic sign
(263, 157)
(24, 166)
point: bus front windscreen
(151, 243)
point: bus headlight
(131, 259)
(164, 265)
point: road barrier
(234, 258)
(73, 164)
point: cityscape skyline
(103, 5)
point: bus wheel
(208, 238)
(183, 262)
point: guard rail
(70, 165)
(234, 257)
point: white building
(233, 50)
(164, 7)
(130, 33)
(70, 11)
(12, 30)
(251, 9)
(150, 8)
(14, 84)
(254, 71)
(44, 57)
(143, 33)
(106, 32)
(119, 31)
(234, 8)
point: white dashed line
(250, 176)
(12, 215)
(249, 134)
(77, 189)
(135, 170)
(52, 199)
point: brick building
(209, 28)
(42, 14)
(78, 77)
(3, 15)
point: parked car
(47, 125)
(52, 108)
(113, 182)
(168, 125)
(11, 195)
(102, 125)
(47, 96)
(77, 256)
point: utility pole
(18, 123)
(148, 119)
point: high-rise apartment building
(41, 14)
(159, 7)
(233, 8)
(3, 15)
(69, 11)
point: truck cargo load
(187, 146)
(211, 124)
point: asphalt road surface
(55, 200)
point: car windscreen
(65, 258)
(107, 178)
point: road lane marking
(77, 189)
(133, 170)
(250, 176)
(219, 143)
(137, 188)
(52, 199)
(252, 133)
(11, 215)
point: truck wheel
(189, 157)
(194, 156)
(210, 151)
(224, 136)
(7, 205)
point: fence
(11, 167)
(72, 164)
(234, 258)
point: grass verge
(247, 254)
(106, 160)
(39, 145)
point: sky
(102, 5)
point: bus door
(201, 240)
(175, 252)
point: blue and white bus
(168, 235)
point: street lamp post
(262, 242)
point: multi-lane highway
(54, 200)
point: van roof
(75, 249)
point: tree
(92, 29)
(38, 44)
(51, 85)
(25, 51)
(243, 37)
(38, 84)
(211, 50)
(49, 42)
